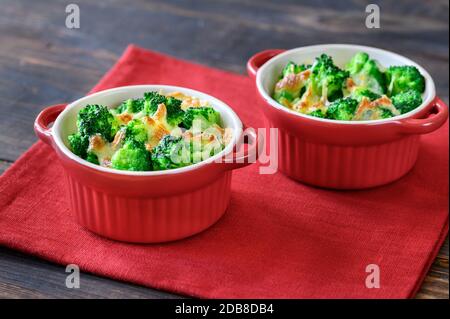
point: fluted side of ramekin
(345, 167)
(149, 219)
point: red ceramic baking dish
(343, 154)
(144, 207)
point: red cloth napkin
(278, 239)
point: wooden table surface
(43, 63)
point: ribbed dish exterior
(346, 167)
(149, 219)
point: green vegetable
(132, 156)
(292, 68)
(317, 113)
(97, 119)
(385, 113)
(407, 101)
(356, 64)
(91, 157)
(130, 106)
(290, 86)
(136, 130)
(79, 144)
(327, 78)
(360, 93)
(207, 117)
(171, 152)
(404, 78)
(173, 106)
(342, 109)
(366, 73)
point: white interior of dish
(65, 124)
(268, 74)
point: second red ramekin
(343, 154)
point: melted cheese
(188, 101)
(368, 110)
(309, 102)
(156, 126)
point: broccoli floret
(173, 106)
(131, 106)
(407, 101)
(356, 64)
(327, 78)
(132, 156)
(174, 112)
(342, 109)
(206, 115)
(79, 144)
(290, 86)
(151, 102)
(317, 113)
(404, 78)
(135, 130)
(366, 73)
(93, 158)
(360, 93)
(292, 68)
(171, 152)
(97, 119)
(385, 113)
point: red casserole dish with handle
(343, 154)
(145, 207)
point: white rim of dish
(237, 129)
(428, 82)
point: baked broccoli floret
(317, 113)
(404, 78)
(292, 68)
(96, 119)
(171, 152)
(407, 101)
(342, 109)
(135, 130)
(206, 115)
(131, 106)
(151, 102)
(79, 144)
(327, 78)
(132, 156)
(360, 93)
(173, 106)
(290, 86)
(385, 113)
(174, 112)
(356, 64)
(91, 157)
(366, 73)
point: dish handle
(257, 60)
(44, 119)
(435, 117)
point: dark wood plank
(42, 63)
(4, 165)
(436, 283)
(24, 276)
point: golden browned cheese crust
(157, 126)
(124, 118)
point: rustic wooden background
(43, 63)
